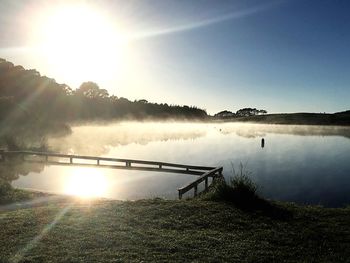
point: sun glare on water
(86, 183)
(80, 42)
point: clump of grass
(242, 182)
(242, 192)
(240, 189)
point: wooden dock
(203, 172)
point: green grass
(240, 189)
(158, 231)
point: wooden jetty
(203, 172)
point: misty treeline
(25, 96)
(245, 112)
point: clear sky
(282, 56)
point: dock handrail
(212, 173)
(194, 167)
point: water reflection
(12, 168)
(259, 130)
(98, 140)
(86, 182)
(304, 164)
(110, 183)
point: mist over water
(96, 139)
(304, 164)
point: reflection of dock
(115, 163)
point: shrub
(5, 188)
(9, 195)
(240, 190)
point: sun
(80, 42)
(86, 183)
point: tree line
(26, 95)
(245, 112)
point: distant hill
(339, 118)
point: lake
(303, 164)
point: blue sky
(283, 56)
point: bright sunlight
(86, 183)
(80, 42)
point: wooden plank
(193, 167)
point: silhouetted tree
(91, 90)
(26, 96)
(249, 112)
(225, 114)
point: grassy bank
(158, 230)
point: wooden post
(206, 183)
(71, 159)
(180, 195)
(220, 174)
(98, 161)
(262, 143)
(160, 166)
(195, 190)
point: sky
(279, 55)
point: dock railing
(214, 173)
(203, 172)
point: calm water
(298, 163)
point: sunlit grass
(172, 231)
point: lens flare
(80, 42)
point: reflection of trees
(97, 140)
(28, 137)
(13, 167)
(250, 134)
(260, 130)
